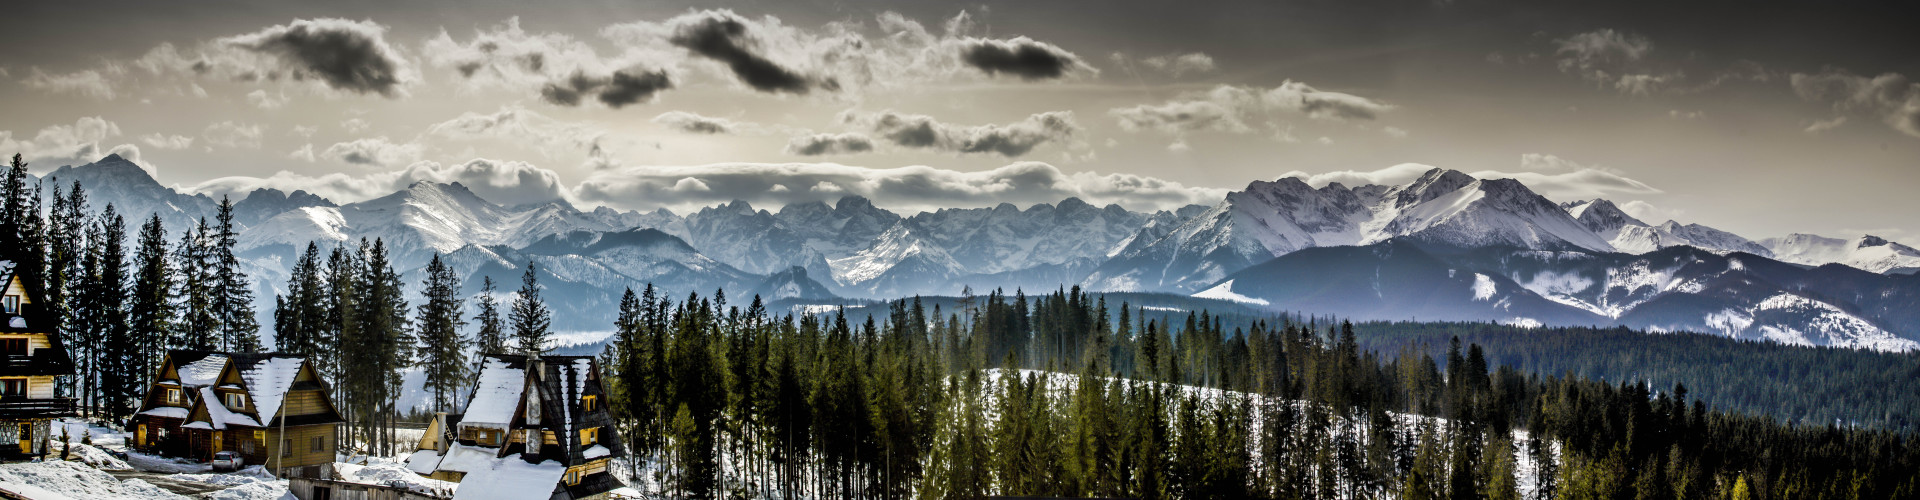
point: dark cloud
(924, 132)
(695, 124)
(624, 87)
(1022, 57)
(347, 55)
(722, 36)
(829, 144)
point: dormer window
(173, 396)
(236, 401)
(589, 402)
(11, 304)
(589, 437)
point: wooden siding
(306, 403)
(303, 453)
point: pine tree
(231, 292)
(149, 315)
(382, 347)
(199, 321)
(442, 348)
(299, 316)
(491, 338)
(121, 375)
(531, 318)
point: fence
(327, 489)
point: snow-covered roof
(511, 479)
(596, 451)
(496, 395)
(268, 381)
(167, 411)
(204, 371)
(217, 413)
(463, 458)
(423, 462)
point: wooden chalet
(273, 409)
(534, 427)
(32, 359)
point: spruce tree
(121, 373)
(491, 337)
(199, 321)
(531, 318)
(149, 314)
(300, 315)
(231, 292)
(442, 349)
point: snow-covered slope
(1868, 252)
(1643, 239)
(1602, 217)
(1479, 213)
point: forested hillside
(726, 400)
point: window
(319, 444)
(13, 346)
(286, 447)
(589, 402)
(236, 401)
(589, 436)
(173, 396)
(573, 477)
(246, 447)
(11, 304)
(13, 387)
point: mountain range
(1446, 246)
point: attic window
(589, 437)
(236, 400)
(589, 402)
(11, 304)
(173, 396)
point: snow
(1224, 291)
(496, 395)
(463, 458)
(203, 372)
(423, 462)
(268, 382)
(596, 451)
(218, 414)
(17, 322)
(57, 480)
(167, 411)
(94, 456)
(511, 479)
(387, 473)
(1483, 287)
(1523, 323)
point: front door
(216, 442)
(26, 437)
(140, 436)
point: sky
(1761, 119)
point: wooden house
(534, 427)
(32, 359)
(273, 409)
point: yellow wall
(303, 453)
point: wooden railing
(22, 407)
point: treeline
(722, 400)
(1808, 385)
(117, 314)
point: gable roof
(497, 391)
(566, 379)
(266, 379)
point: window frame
(10, 304)
(236, 397)
(173, 395)
(7, 385)
(589, 436)
(319, 444)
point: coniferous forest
(1059, 394)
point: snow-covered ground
(90, 473)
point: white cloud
(81, 141)
(1395, 132)
(1827, 124)
(551, 137)
(910, 188)
(305, 153)
(355, 125)
(230, 134)
(1890, 96)
(375, 151)
(90, 83)
(1228, 108)
(263, 100)
(1180, 64)
(503, 182)
(1565, 184)
(1649, 213)
(165, 141)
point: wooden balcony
(19, 407)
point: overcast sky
(1755, 119)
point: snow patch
(1483, 287)
(1224, 291)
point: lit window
(589, 436)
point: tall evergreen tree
(442, 348)
(199, 324)
(121, 371)
(300, 315)
(149, 314)
(231, 291)
(530, 316)
(491, 337)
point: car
(228, 461)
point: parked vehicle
(228, 461)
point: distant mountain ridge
(852, 249)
